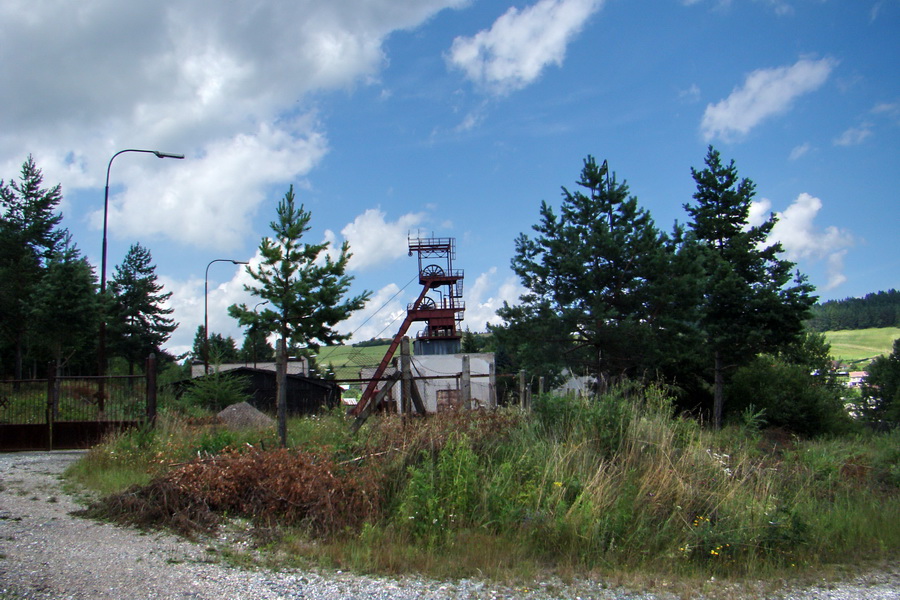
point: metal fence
(73, 412)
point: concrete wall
(438, 379)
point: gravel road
(46, 553)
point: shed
(304, 395)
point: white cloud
(375, 241)
(226, 287)
(800, 151)
(210, 199)
(521, 43)
(690, 95)
(802, 240)
(759, 212)
(226, 87)
(891, 109)
(854, 135)
(486, 296)
(765, 93)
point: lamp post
(206, 308)
(101, 358)
(253, 327)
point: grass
(858, 347)
(348, 360)
(615, 486)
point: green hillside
(347, 360)
(860, 345)
(848, 346)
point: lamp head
(167, 154)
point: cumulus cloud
(765, 93)
(521, 44)
(803, 240)
(91, 78)
(373, 240)
(487, 295)
(226, 287)
(210, 199)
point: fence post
(522, 399)
(51, 401)
(406, 381)
(465, 382)
(281, 389)
(150, 370)
(492, 384)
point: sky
(451, 118)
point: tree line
(50, 304)
(610, 296)
(879, 309)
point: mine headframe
(439, 305)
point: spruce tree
(750, 301)
(29, 237)
(139, 324)
(256, 347)
(65, 305)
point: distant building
(856, 378)
(304, 395)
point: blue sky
(449, 117)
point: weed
(613, 483)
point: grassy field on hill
(847, 346)
(347, 360)
(861, 345)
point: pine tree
(305, 290)
(751, 303)
(593, 275)
(139, 324)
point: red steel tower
(439, 305)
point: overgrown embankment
(613, 483)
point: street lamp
(102, 345)
(252, 330)
(206, 308)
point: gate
(73, 412)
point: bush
(789, 395)
(216, 391)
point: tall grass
(616, 483)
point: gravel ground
(45, 553)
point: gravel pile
(45, 553)
(242, 416)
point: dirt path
(47, 553)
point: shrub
(216, 391)
(790, 396)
